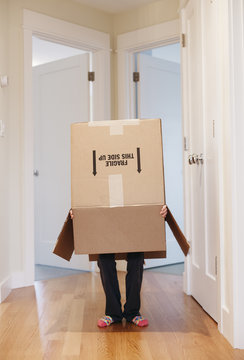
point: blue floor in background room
(175, 269)
(43, 272)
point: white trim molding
(186, 176)
(5, 289)
(61, 31)
(149, 37)
(236, 40)
(182, 5)
(66, 33)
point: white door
(159, 96)
(60, 97)
(200, 83)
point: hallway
(56, 319)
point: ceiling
(114, 6)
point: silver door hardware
(190, 159)
(200, 158)
(3, 81)
(195, 159)
(186, 143)
(213, 128)
(36, 172)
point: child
(108, 273)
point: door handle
(36, 172)
(190, 159)
(195, 159)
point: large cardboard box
(117, 189)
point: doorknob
(195, 159)
(36, 172)
(190, 159)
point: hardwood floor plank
(56, 319)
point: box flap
(185, 246)
(65, 243)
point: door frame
(233, 326)
(52, 29)
(127, 44)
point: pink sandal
(139, 321)
(105, 321)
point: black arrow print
(138, 160)
(94, 162)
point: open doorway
(79, 37)
(158, 95)
(61, 96)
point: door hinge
(136, 76)
(213, 128)
(183, 40)
(91, 75)
(216, 265)
(186, 143)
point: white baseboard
(185, 284)
(5, 288)
(15, 280)
(226, 326)
(19, 279)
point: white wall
(147, 15)
(4, 156)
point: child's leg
(133, 285)
(110, 284)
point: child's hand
(71, 214)
(164, 211)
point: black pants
(110, 284)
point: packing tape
(116, 193)
(116, 126)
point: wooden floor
(57, 318)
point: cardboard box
(117, 189)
